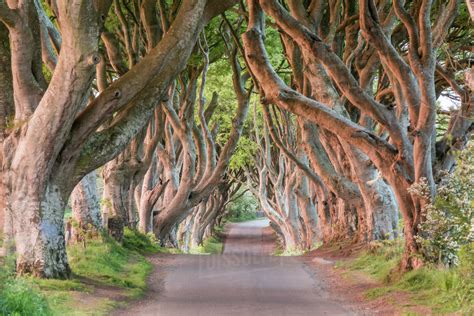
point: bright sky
(448, 103)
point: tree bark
(85, 206)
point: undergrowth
(443, 290)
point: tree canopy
(332, 114)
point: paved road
(244, 280)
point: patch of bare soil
(162, 263)
(110, 299)
(351, 286)
(98, 299)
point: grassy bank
(440, 289)
(104, 273)
(211, 246)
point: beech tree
(54, 137)
(202, 166)
(346, 118)
(398, 136)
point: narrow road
(244, 280)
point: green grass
(380, 261)
(19, 297)
(219, 230)
(64, 297)
(144, 244)
(292, 252)
(212, 246)
(441, 289)
(281, 251)
(103, 261)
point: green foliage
(144, 244)
(46, 73)
(380, 260)
(220, 81)
(244, 153)
(444, 290)
(449, 220)
(242, 209)
(106, 261)
(137, 241)
(19, 296)
(211, 246)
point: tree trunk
(116, 191)
(381, 209)
(145, 215)
(39, 240)
(85, 206)
(196, 229)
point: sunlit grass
(443, 290)
(211, 246)
(102, 261)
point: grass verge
(210, 246)
(104, 272)
(108, 263)
(440, 289)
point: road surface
(244, 280)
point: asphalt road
(244, 280)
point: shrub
(449, 220)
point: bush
(449, 220)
